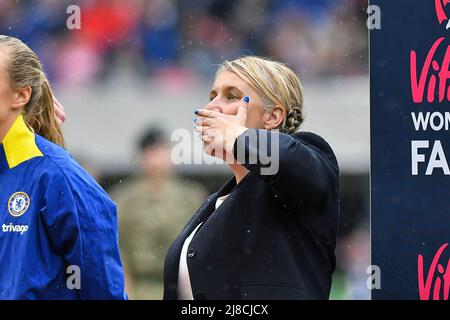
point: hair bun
(293, 121)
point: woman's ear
(21, 97)
(274, 118)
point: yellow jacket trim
(20, 144)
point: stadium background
(137, 63)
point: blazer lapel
(173, 255)
(209, 207)
(201, 215)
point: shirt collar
(18, 146)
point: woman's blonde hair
(25, 70)
(276, 84)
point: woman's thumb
(242, 111)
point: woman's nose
(213, 106)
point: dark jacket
(274, 236)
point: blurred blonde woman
(58, 227)
(264, 234)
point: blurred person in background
(354, 253)
(153, 208)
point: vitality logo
(436, 283)
(440, 12)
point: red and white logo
(436, 283)
(441, 15)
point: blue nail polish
(246, 99)
(196, 111)
(195, 120)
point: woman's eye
(231, 97)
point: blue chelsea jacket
(58, 227)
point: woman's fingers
(59, 112)
(200, 129)
(206, 133)
(206, 122)
(206, 139)
(207, 113)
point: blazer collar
(229, 187)
(18, 146)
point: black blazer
(274, 236)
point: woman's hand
(60, 115)
(219, 131)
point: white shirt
(184, 289)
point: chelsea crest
(18, 204)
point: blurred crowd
(183, 40)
